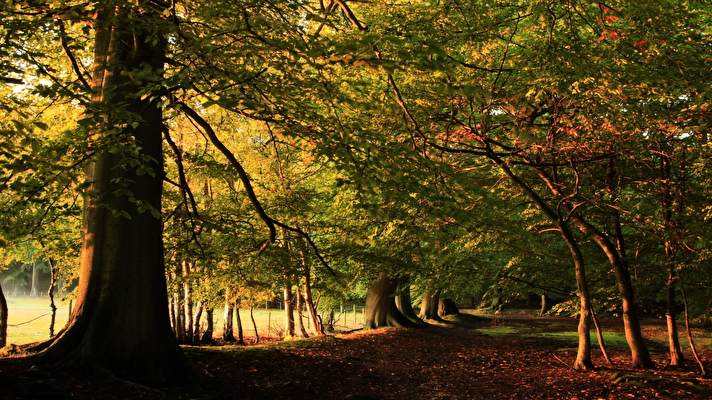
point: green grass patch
(613, 339)
(498, 330)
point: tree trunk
(196, 319)
(240, 332)
(34, 285)
(188, 290)
(676, 356)
(300, 310)
(3, 319)
(583, 354)
(207, 336)
(544, 306)
(599, 336)
(254, 325)
(318, 328)
(289, 312)
(381, 309)
(50, 294)
(447, 307)
(640, 358)
(120, 319)
(690, 339)
(404, 303)
(228, 334)
(180, 304)
(429, 305)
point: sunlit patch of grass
(498, 330)
(613, 339)
(29, 318)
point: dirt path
(435, 363)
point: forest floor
(471, 357)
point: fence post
(355, 314)
(269, 324)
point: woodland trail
(433, 363)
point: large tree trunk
(228, 334)
(447, 307)
(3, 319)
(429, 305)
(120, 319)
(209, 327)
(289, 312)
(405, 304)
(300, 310)
(381, 310)
(196, 319)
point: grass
(33, 313)
(270, 322)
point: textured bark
(288, 311)
(300, 310)
(207, 336)
(405, 304)
(120, 318)
(317, 326)
(381, 310)
(447, 307)
(228, 312)
(3, 319)
(429, 305)
(196, 319)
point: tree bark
(288, 311)
(640, 357)
(583, 354)
(3, 319)
(599, 336)
(429, 305)
(405, 304)
(381, 309)
(120, 319)
(318, 328)
(196, 319)
(50, 294)
(207, 336)
(228, 334)
(300, 310)
(240, 332)
(180, 304)
(447, 307)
